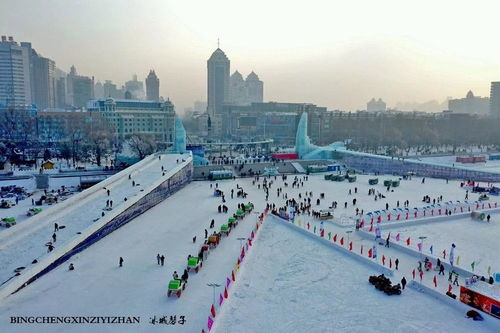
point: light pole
(213, 285)
(348, 232)
(422, 242)
(241, 239)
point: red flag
(370, 253)
(239, 261)
(252, 235)
(242, 252)
(413, 273)
(390, 262)
(225, 292)
(421, 275)
(322, 234)
(450, 288)
(342, 241)
(308, 226)
(350, 246)
(202, 331)
(435, 281)
(408, 241)
(212, 310)
(335, 238)
(232, 275)
(250, 242)
(383, 260)
(371, 227)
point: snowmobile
(175, 287)
(194, 263)
(225, 229)
(213, 241)
(232, 222)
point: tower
(152, 87)
(218, 87)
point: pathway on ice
(292, 283)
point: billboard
(479, 301)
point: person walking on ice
(162, 259)
(158, 258)
(121, 262)
(403, 282)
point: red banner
(479, 301)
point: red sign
(479, 301)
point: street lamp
(348, 232)
(213, 285)
(422, 242)
(241, 239)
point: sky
(337, 54)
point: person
(441, 269)
(396, 263)
(162, 259)
(438, 264)
(185, 276)
(71, 267)
(54, 237)
(212, 224)
(194, 239)
(403, 282)
(32, 201)
(56, 227)
(121, 261)
(455, 281)
(206, 233)
(488, 218)
(158, 258)
(175, 276)
(109, 192)
(50, 247)
(450, 274)
(387, 241)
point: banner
(479, 301)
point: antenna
(218, 43)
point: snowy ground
(19, 211)
(475, 241)
(28, 242)
(293, 284)
(290, 283)
(487, 166)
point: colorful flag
(397, 237)
(212, 311)
(473, 264)
(408, 241)
(228, 282)
(210, 323)
(221, 299)
(419, 245)
(370, 251)
(430, 249)
(342, 241)
(435, 281)
(225, 293)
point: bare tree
(142, 145)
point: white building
(15, 81)
(470, 104)
(245, 92)
(374, 105)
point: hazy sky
(332, 53)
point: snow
(288, 283)
(26, 240)
(475, 241)
(294, 285)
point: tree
(142, 145)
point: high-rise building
(374, 105)
(495, 99)
(135, 88)
(470, 104)
(152, 87)
(61, 89)
(98, 90)
(218, 66)
(81, 88)
(237, 89)
(255, 88)
(15, 74)
(43, 81)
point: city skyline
(340, 58)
